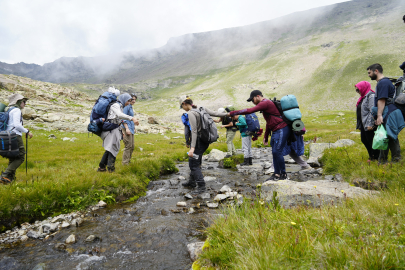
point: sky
(42, 31)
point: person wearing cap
(197, 147)
(231, 129)
(128, 132)
(111, 138)
(274, 124)
(15, 124)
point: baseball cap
(253, 94)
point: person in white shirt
(15, 124)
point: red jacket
(270, 114)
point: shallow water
(146, 234)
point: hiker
(197, 146)
(111, 138)
(231, 129)
(365, 120)
(383, 107)
(15, 123)
(128, 132)
(246, 140)
(281, 132)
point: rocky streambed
(155, 231)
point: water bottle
(194, 156)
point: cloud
(44, 30)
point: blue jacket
(393, 120)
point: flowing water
(151, 233)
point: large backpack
(253, 125)
(290, 113)
(4, 119)
(209, 132)
(8, 139)
(100, 110)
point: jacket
(367, 118)
(393, 120)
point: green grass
(362, 233)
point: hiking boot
(5, 179)
(111, 169)
(283, 176)
(250, 161)
(189, 184)
(101, 169)
(273, 177)
(245, 162)
(199, 190)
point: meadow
(361, 233)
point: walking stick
(26, 154)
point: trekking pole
(26, 154)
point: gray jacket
(366, 116)
(194, 119)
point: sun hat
(221, 110)
(14, 98)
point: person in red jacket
(274, 124)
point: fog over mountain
(199, 53)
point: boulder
(194, 249)
(28, 113)
(102, 204)
(311, 193)
(153, 121)
(216, 155)
(71, 239)
(316, 149)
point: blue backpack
(100, 110)
(253, 123)
(4, 119)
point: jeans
(107, 160)
(395, 148)
(195, 164)
(278, 142)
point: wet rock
(181, 178)
(209, 178)
(9, 263)
(220, 197)
(314, 162)
(40, 266)
(77, 222)
(65, 224)
(22, 232)
(320, 171)
(58, 219)
(329, 177)
(50, 227)
(212, 205)
(238, 184)
(203, 196)
(266, 165)
(231, 194)
(215, 155)
(225, 189)
(194, 249)
(60, 246)
(91, 238)
(101, 204)
(338, 177)
(33, 234)
(256, 155)
(188, 196)
(191, 210)
(174, 182)
(312, 193)
(24, 238)
(181, 204)
(71, 239)
(255, 168)
(269, 171)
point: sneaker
(283, 176)
(189, 184)
(101, 169)
(199, 190)
(306, 167)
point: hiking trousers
(277, 143)
(195, 164)
(367, 139)
(247, 146)
(129, 148)
(14, 163)
(108, 160)
(394, 147)
(230, 135)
